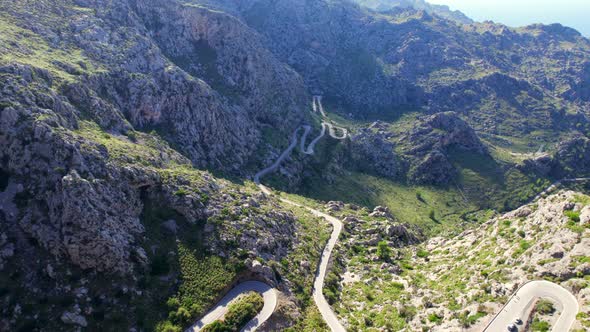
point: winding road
(556, 185)
(269, 293)
(521, 303)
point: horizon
(570, 13)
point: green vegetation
(203, 279)
(523, 246)
(366, 190)
(145, 150)
(422, 253)
(313, 322)
(584, 319)
(434, 318)
(573, 223)
(539, 325)
(313, 236)
(574, 216)
(545, 307)
(383, 251)
(493, 184)
(239, 313)
(467, 320)
(26, 47)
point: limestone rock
(73, 318)
(585, 215)
(381, 212)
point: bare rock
(381, 212)
(72, 318)
(334, 206)
(170, 226)
(585, 215)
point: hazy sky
(572, 13)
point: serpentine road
(521, 303)
(556, 185)
(269, 293)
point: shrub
(383, 250)
(545, 307)
(173, 303)
(132, 135)
(242, 311)
(573, 215)
(434, 318)
(539, 326)
(408, 312)
(181, 192)
(167, 326)
(217, 326)
(422, 253)
(239, 313)
(203, 278)
(419, 197)
(468, 320)
(524, 245)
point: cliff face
(202, 79)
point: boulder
(381, 212)
(72, 318)
(585, 215)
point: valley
(290, 165)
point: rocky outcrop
(74, 318)
(202, 79)
(572, 157)
(421, 154)
(428, 144)
(442, 131)
(541, 165)
(372, 152)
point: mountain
(130, 132)
(440, 10)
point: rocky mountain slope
(452, 284)
(507, 82)
(104, 221)
(100, 228)
(440, 10)
(128, 130)
(117, 63)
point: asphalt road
(318, 286)
(522, 301)
(556, 185)
(269, 295)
